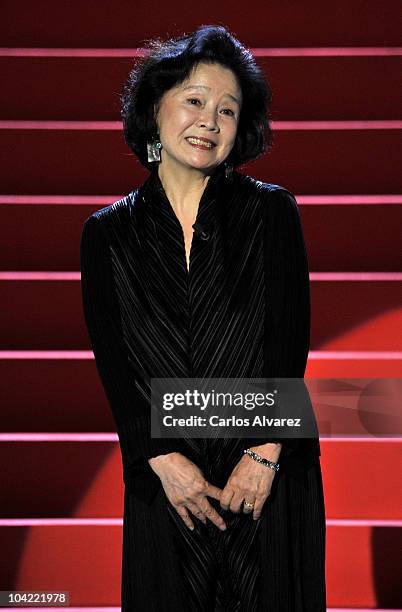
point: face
(205, 106)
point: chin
(202, 167)
(198, 163)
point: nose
(208, 121)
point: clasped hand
(188, 490)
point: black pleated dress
(242, 310)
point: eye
(192, 100)
(229, 109)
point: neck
(184, 188)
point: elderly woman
(201, 271)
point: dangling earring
(153, 148)
(228, 170)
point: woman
(202, 272)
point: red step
(38, 225)
(361, 570)
(86, 159)
(355, 364)
(356, 475)
(71, 375)
(125, 24)
(352, 237)
(368, 320)
(62, 86)
(46, 225)
(362, 566)
(53, 407)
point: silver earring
(153, 149)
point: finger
(259, 504)
(204, 510)
(197, 511)
(236, 503)
(210, 512)
(181, 510)
(257, 511)
(226, 498)
(213, 491)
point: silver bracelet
(266, 462)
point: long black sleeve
(102, 317)
(288, 288)
(287, 317)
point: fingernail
(223, 527)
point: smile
(201, 144)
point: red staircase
(334, 69)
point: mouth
(201, 143)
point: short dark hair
(166, 63)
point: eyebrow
(208, 88)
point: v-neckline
(164, 212)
